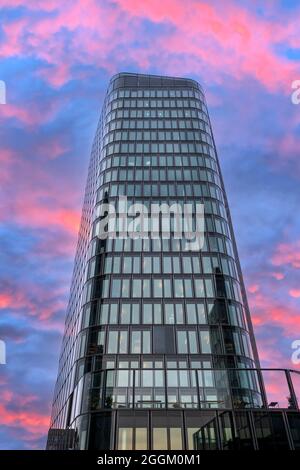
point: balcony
(223, 389)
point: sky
(56, 59)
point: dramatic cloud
(56, 60)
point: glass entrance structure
(159, 351)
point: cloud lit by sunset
(56, 60)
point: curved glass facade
(151, 324)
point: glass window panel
(146, 342)
(182, 344)
(179, 313)
(199, 287)
(178, 288)
(167, 267)
(187, 265)
(141, 441)
(125, 439)
(169, 313)
(172, 378)
(147, 265)
(159, 378)
(147, 378)
(176, 264)
(196, 265)
(125, 287)
(206, 265)
(160, 440)
(183, 378)
(123, 378)
(127, 265)
(123, 342)
(116, 288)
(147, 313)
(188, 288)
(135, 342)
(104, 314)
(112, 342)
(136, 288)
(125, 313)
(146, 288)
(193, 342)
(167, 288)
(175, 439)
(205, 341)
(157, 314)
(191, 434)
(113, 317)
(156, 264)
(191, 313)
(116, 264)
(209, 288)
(157, 285)
(201, 313)
(135, 313)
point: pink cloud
(30, 114)
(36, 303)
(253, 288)
(36, 201)
(287, 254)
(25, 416)
(286, 151)
(268, 311)
(294, 293)
(202, 35)
(277, 275)
(228, 38)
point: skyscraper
(159, 351)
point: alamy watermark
(2, 352)
(295, 96)
(178, 221)
(296, 354)
(2, 92)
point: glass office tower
(159, 351)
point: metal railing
(194, 388)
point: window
(127, 265)
(112, 342)
(160, 440)
(205, 341)
(152, 313)
(182, 342)
(175, 439)
(113, 313)
(147, 313)
(173, 313)
(141, 439)
(195, 313)
(147, 268)
(125, 313)
(187, 265)
(157, 287)
(209, 288)
(199, 287)
(187, 342)
(123, 342)
(136, 288)
(140, 342)
(116, 288)
(125, 438)
(178, 288)
(117, 342)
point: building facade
(159, 351)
